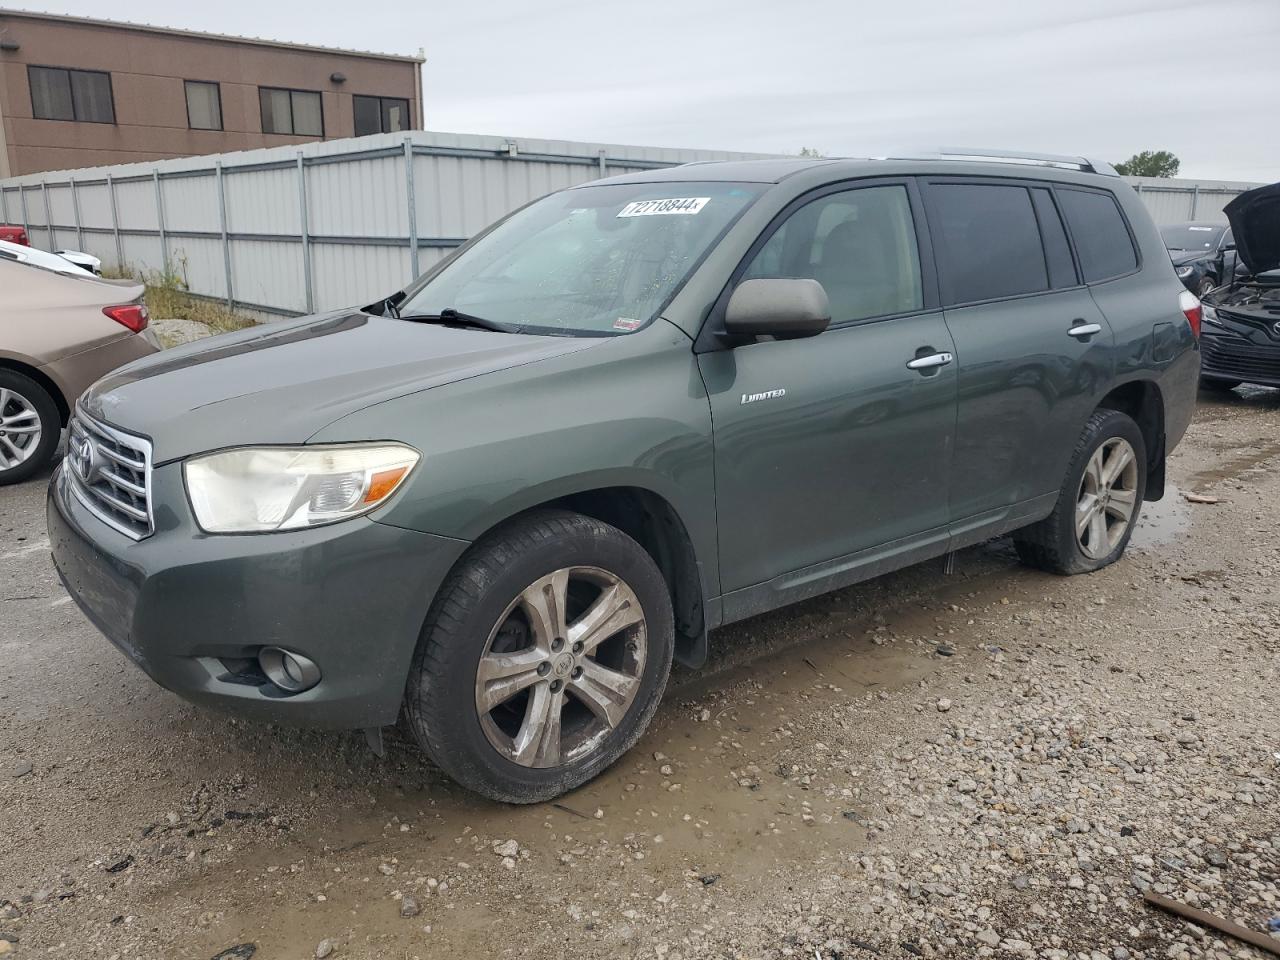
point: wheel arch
(653, 522)
(43, 379)
(1143, 401)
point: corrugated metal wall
(292, 230)
(1177, 201)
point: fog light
(291, 672)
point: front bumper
(193, 609)
(1231, 357)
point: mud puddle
(1161, 521)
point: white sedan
(64, 261)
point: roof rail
(983, 155)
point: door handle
(1083, 331)
(930, 361)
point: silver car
(59, 333)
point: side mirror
(1228, 248)
(785, 309)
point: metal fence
(1176, 201)
(292, 230)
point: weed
(167, 298)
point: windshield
(1191, 237)
(595, 261)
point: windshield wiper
(450, 315)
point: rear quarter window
(1101, 235)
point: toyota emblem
(1276, 328)
(82, 455)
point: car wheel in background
(1099, 502)
(1218, 386)
(543, 658)
(30, 427)
(1204, 286)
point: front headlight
(1184, 272)
(257, 489)
(1209, 315)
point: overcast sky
(1102, 78)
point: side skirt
(873, 562)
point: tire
(1204, 286)
(1053, 544)
(487, 616)
(1218, 386)
(25, 406)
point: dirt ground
(988, 761)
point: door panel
(1032, 347)
(855, 454)
(1026, 388)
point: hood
(1255, 225)
(283, 382)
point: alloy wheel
(20, 428)
(1108, 498)
(561, 667)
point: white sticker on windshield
(674, 205)
(1201, 229)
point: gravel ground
(990, 762)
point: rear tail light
(135, 316)
(1189, 304)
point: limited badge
(668, 207)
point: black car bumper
(192, 610)
(1226, 357)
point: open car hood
(1255, 223)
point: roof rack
(983, 155)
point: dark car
(506, 497)
(1203, 254)
(1241, 341)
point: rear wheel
(1099, 501)
(29, 427)
(1204, 286)
(543, 658)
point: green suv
(500, 502)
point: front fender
(631, 413)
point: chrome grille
(1266, 324)
(110, 473)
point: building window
(61, 94)
(291, 112)
(204, 105)
(380, 115)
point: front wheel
(1204, 287)
(543, 658)
(1099, 501)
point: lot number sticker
(654, 208)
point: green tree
(810, 152)
(1149, 163)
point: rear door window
(987, 241)
(1100, 233)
